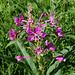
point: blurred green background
(9, 9)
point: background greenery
(9, 9)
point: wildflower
(43, 14)
(59, 32)
(20, 57)
(34, 35)
(41, 24)
(49, 46)
(13, 34)
(53, 21)
(19, 21)
(39, 50)
(60, 58)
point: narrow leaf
(60, 64)
(10, 59)
(52, 67)
(10, 43)
(71, 36)
(29, 60)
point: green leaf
(59, 72)
(29, 60)
(53, 71)
(71, 36)
(52, 67)
(61, 64)
(10, 59)
(71, 11)
(10, 43)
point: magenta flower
(43, 14)
(51, 17)
(60, 58)
(13, 34)
(59, 32)
(41, 24)
(19, 21)
(20, 57)
(53, 21)
(35, 34)
(39, 50)
(49, 46)
(25, 27)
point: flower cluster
(13, 34)
(34, 31)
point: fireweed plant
(34, 30)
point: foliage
(64, 9)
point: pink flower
(53, 21)
(13, 34)
(59, 32)
(41, 24)
(39, 50)
(60, 58)
(19, 58)
(49, 46)
(43, 14)
(19, 21)
(34, 34)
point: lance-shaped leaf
(54, 68)
(10, 43)
(10, 59)
(29, 60)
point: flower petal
(19, 58)
(38, 30)
(11, 33)
(44, 25)
(46, 42)
(21, 16)
(43, 14)
(12, 37)
(29, 30)
(16, 19)
(58, 30)
(43, 34)
(30, 38)
(52, 48)
(60, 58)
(17, 24)
(60, 35)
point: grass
(9, 9)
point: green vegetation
(64, 9)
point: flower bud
(60, 58)
(19, 58)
